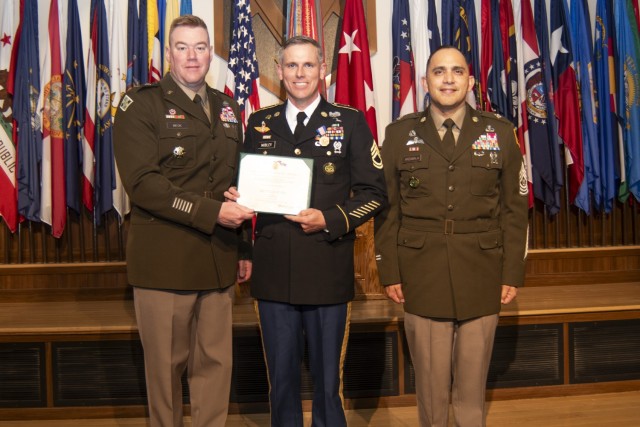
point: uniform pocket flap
(411, 239)
(490, 240)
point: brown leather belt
(450, 226)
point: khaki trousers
(182, 330)
(450, 357)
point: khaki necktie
(448, 141)
(198, 100)
(300, 126)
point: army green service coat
(175, 167)
(456, 228)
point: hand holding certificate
(275, 184)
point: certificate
(275, 184)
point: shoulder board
(411, 116)
(348, 107)
(221, 94)
(494, 116)
(145, 86)
(268, 107)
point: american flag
(404, 88)
(243, 77)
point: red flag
(567, 98)
(53, 205)
(8, 160)
(354, 84)
(304, 18)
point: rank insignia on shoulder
(376, 158)
(125, 103)
(263, 128)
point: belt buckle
(448, 226)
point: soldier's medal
(329, 168)
(414, 182)
(178, 152)
(322, 139)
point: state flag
(354, 82)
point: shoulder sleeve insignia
(126, 102)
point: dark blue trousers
(284, 329)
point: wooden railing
(84, 240)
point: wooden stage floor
(594, 410)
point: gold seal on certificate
(275, 184)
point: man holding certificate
(303, 274)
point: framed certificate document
(275, 184)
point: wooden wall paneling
(268, 19)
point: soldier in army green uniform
(452, 244)
(176, 146)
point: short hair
(298, 40)
(191, 21)
(443, 47)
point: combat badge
(413, 138)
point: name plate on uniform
(275, 184)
